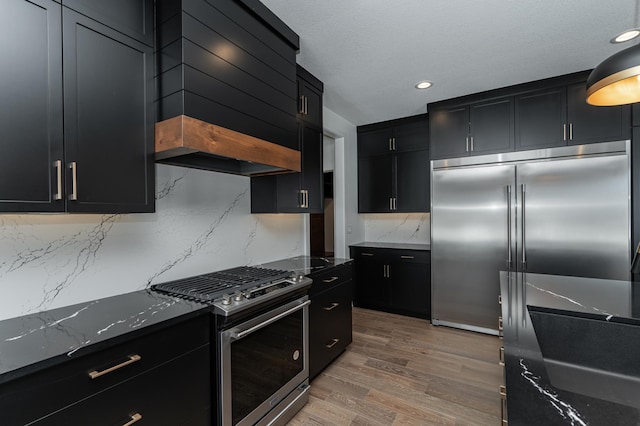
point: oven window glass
(264, 361)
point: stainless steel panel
(536, 154)
(576, 217)
(469, 242)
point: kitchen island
(571, 346)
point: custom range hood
(189, 142)
(226, 88)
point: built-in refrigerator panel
(569, 214)
(471, 207)
(574, 216)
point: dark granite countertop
(571, 349)
(397, 246)
(36, 341)
(306, 265)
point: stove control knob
(237, 296)
(226, 299)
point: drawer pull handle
(333, 343)
(331, 306)
(367, 254)
(134, 419)
(132, 358)
(501, 355)
(330, 280)
(407, 257)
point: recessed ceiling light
(626, 36)
(424, 84)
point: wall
(202, 223)
(398, 228)
(349, 226)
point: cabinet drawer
(176, 393)
(70, 381)
(412, 256)
(330, 278)
(329, 326)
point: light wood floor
(404, 371)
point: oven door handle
(237, 335)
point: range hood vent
(188, 142)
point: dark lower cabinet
(162, 376)
(393, 280)
(69, 70)
(330, 332)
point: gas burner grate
(208, 287)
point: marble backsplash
(398, 228)
(202, 223)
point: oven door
(262, 361)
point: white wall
(349, 226)
(202, 223)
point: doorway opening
(322, 224)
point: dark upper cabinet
(476, 129)
(296, 192)
(104, 162)
(108, 118)
(133, 18)
(393, 166)
(31, 113)
(592, 124)
(561, 116)
(310, 91)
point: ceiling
(371, 53)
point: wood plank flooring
(404, 371)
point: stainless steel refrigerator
(562, 211)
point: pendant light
(616, 81)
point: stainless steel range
(261, 333)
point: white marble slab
(398, 228)
(202, 223)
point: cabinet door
(108, 118)
(31, 115)
(412, 182)
(592, 124)
(375, 176)
(449, 130)
(491, 126)
(412, 135)
(541, 119)
(311, 104)
(375, 142)
(288, 197)
(411, 288)
(312, 176)
(372, 287)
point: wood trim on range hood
(188, 142)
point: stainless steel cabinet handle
(466, 140)
(390, 145)
(301, 109)
(74, 181)
(500, 327)
(570, 131)
(564, 132)
(471, 143)
(305, 199)
(331, 307)
(132, 358)
(390, 203)
(134, 418)
(58, 165)
(330, 280)
(395, 203)
(509, 247)
(366, 254)
(407, 257)
(240, 334)
(394, 143)
(501, 357)
(332, 344)
(306, 105)
(503, 405)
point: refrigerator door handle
(523, 188)
(509, 247)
